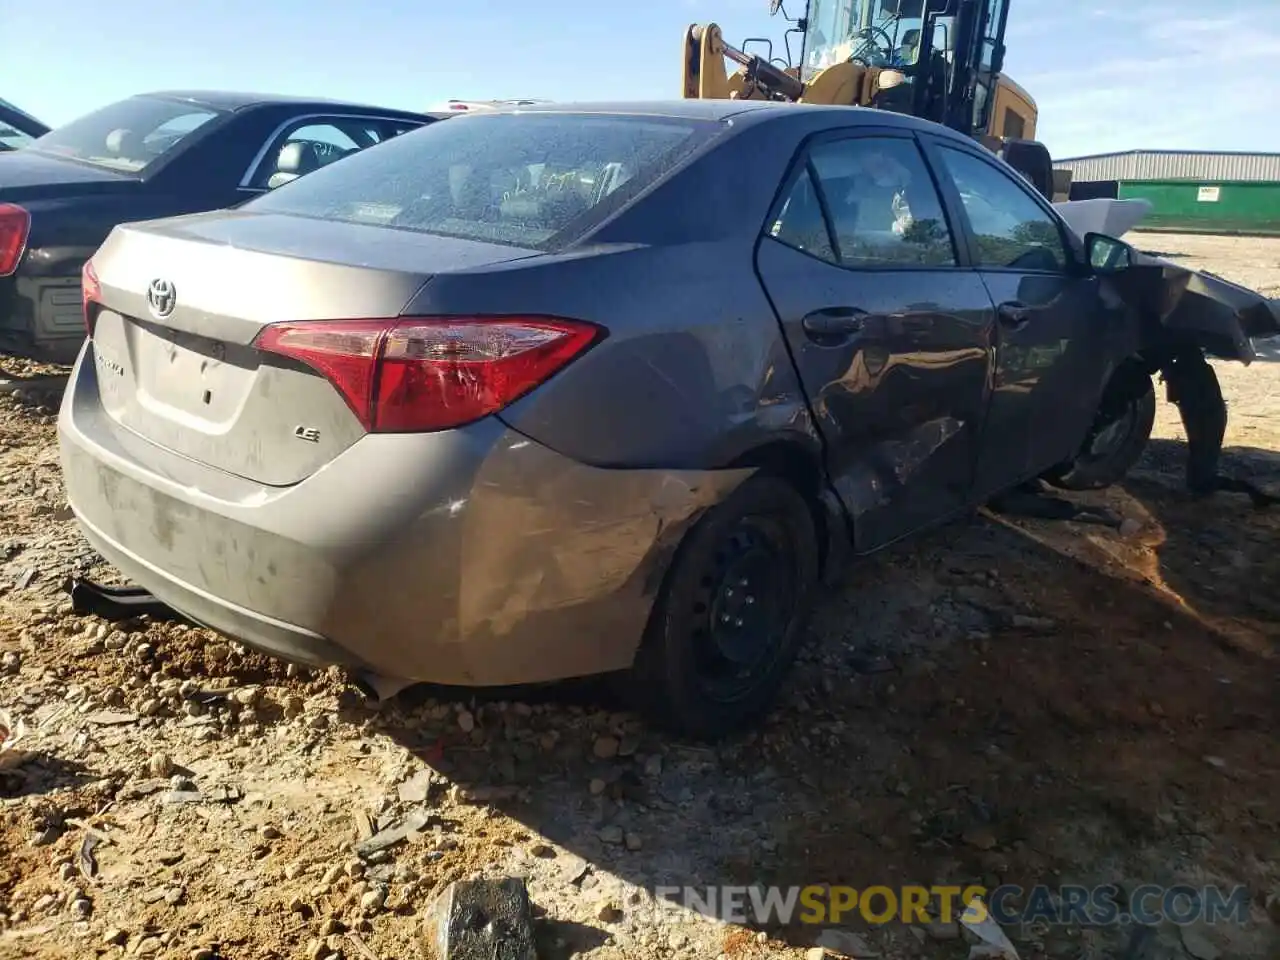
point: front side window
(1011, 230)
(518, 179)
(883, 208)
(306, 148)
(317, 142)
(128, 136)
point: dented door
(1056, 339)
(890, 336)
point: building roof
(1174, 165)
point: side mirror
(1107, 254)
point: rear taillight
(418, 374)
(90, 296)
(15, 224)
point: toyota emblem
(161, 298)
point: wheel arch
(1130, 384)
(799, 463)
(1131, 372)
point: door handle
(834, 323)
(1013, 314)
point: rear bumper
(473, 557)
(41, 317)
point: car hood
(24, 169)
(1223, 317)
(1114, 218)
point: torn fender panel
(1220, 316)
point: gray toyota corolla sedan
(569, 390)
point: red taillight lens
(90, 296)
(15, 224)
(418, 374)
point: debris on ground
(481, 920)
(993, 943)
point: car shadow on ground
(1218, 555)
(975, 707)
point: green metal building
(1190, 191)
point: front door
(1054, 334)
(891, 337)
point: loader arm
(705, 77)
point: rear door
(1055, 336)
(890, 333)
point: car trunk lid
(185, 374)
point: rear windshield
(528, 180)
(129, 135)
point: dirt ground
(1002, 701)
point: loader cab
(875, 33)
(945, 61)
(949, 52)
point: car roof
(233, 101)
(756, 110)
(681, 109)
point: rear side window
(800, 223)
(528, 180)
(884, 209)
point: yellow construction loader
(936, 59)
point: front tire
(731, 613)
(1117, 438)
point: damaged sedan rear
(572, 390)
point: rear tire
(1117, 438)
(731, 613)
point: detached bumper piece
(117, 603)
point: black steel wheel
(742, 607)
(727, 623)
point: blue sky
(1139, 89)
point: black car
(17, 127)
(153, 155)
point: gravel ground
(1011, 701)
